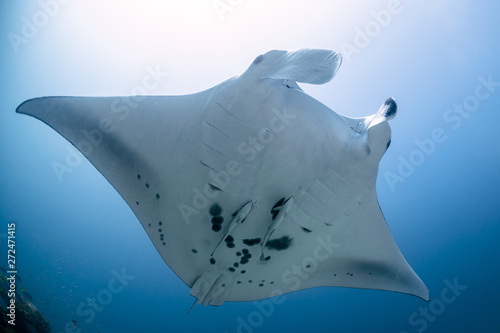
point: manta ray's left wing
(140, 145)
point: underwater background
(438, 183)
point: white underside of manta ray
(249, 189)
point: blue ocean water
(438, 183)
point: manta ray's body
(249, 189)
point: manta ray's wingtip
(21, 108)
(421, 291)
(425, 294)
(27, 107)
(421, 294)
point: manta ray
(249, 189)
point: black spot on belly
(236, 265)
(149, 224)
(306, 230)
(279, 244)
(159, 230)
(212, 261)
(229, 241)
(164, 243)
(231, 269)
(147, 185)
(138, 176)
(217, 220)
(239, 282)
(250, 281)
(215, 210)
(261, 285)
(194, 251)
(217, 223)
(160, 223)
(251, 242)
(238, 254)
(157, 196)
(137, 203)
(243, 272)
(272, 282)
(246, 256)
(267, 258)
